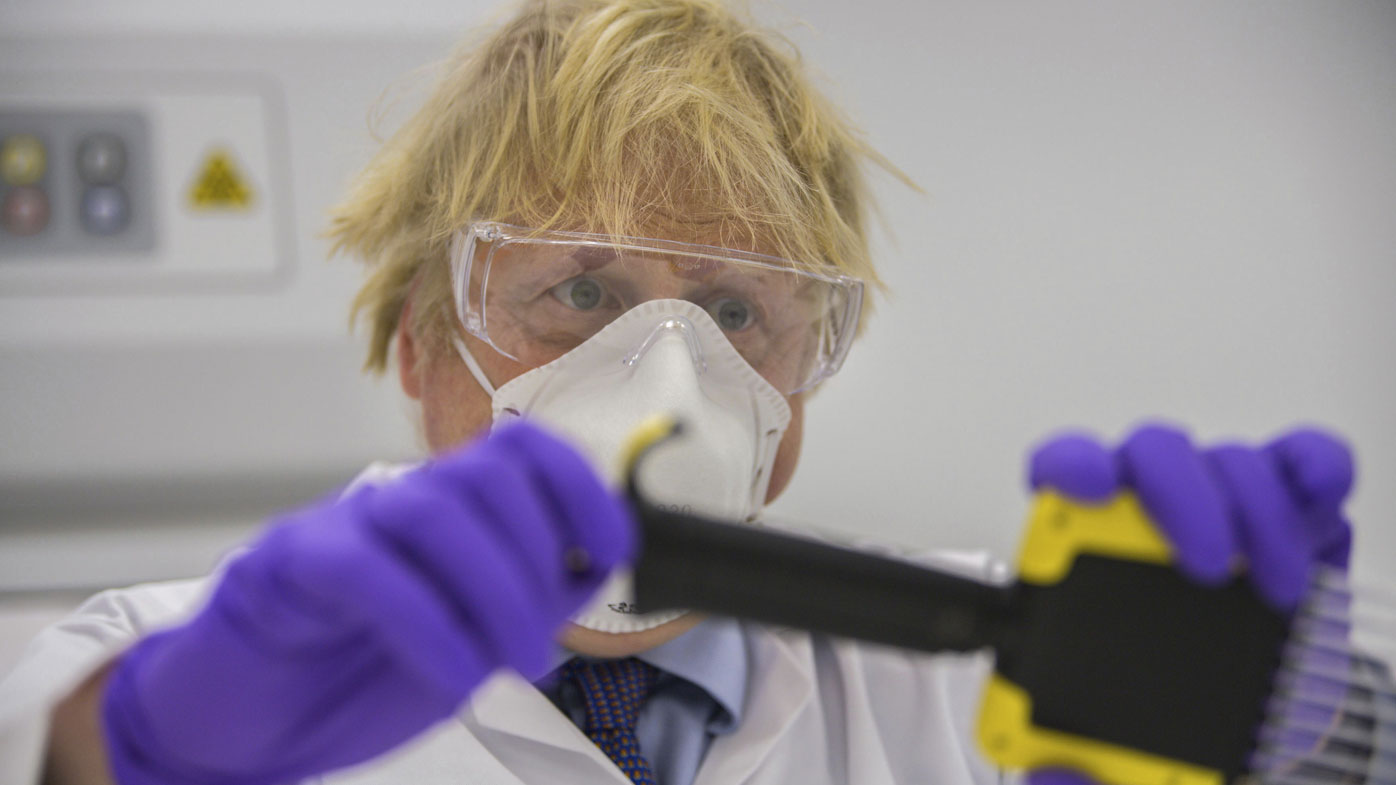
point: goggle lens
(535, 296)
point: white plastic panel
(190, 119)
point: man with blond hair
(605, 209)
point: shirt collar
(712, 655)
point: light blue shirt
(697, 697)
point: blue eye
(731, 314)
(580, 293)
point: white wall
(1175, 208)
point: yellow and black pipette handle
(1107, 659)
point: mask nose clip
(671, 324)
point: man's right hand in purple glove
(354, 625)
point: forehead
(676, 218)
(689, 248)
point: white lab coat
(817, 711)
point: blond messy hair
(627, 117)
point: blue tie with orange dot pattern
(614, 691)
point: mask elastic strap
(473, 365)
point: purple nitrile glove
(1278, 507)
(353, 625)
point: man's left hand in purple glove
(1276, 509)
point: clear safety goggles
(535, 296)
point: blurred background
(1176, 209)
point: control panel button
(94, 169)
(102, 159)
(22, 159)
(25, 211)
(105, 210)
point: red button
(25, 211)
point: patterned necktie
(614, 691)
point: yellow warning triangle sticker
(220, 185)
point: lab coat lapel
(781, 682)
(526, 733)
(446, 755)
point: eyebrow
(692, 268)
(696, 268)
(590, 257)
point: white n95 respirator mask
(660, 357)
